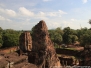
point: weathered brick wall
(68, 52)
(9, 50)
(25, 41)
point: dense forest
(10, 37)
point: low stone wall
(9, 50)
(85, 57)
(68, 52)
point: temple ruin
(37, 51)
(43, 52)
(25, 42)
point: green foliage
(89, 21)
(1, 41)
(74, 38)
(69, 35)
(84, 36)
(1, 30)
(59, 30)
(10, 38)
(56, 36)
(56, 45)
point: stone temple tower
(25, 41)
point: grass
(74, 49)
(71, 49)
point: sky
(25, 14)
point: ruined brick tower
(44, 54)
(25, 41)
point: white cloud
(41, 14)
(25, 11)
(85, 1)
(52, 14)
(54, 24)
(46, 15)
(73, 19)
(56, 13)
(62, 12)
(10, 12)
(46, 0)
(26, 18)
(9, 20)
(71, 24)
(2, 10)
(2, 18)
(65, 23)
(2, 5)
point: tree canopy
(10, 37)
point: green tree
(85, 39)
(84, 35)
(66, 35)
(59, 30)
(10, 38)
(74, 38)
(69, 35)
(1, 30)
(55, 36)
(58, 38)
(89, 21)
(1, 41)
